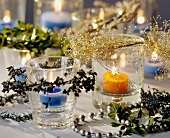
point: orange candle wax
(115, 83)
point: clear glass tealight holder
(52, 109)
(82, 18)
(10, 12)
(120, 77)
(15, 57)
(55, 14)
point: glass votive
(82, 18)
(120, 77)
(52, 109)
(53, 14)
(10, 12)
(15, 57)
(155, 66)
(147, 10)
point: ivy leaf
(151, 121)
(112, 115)
(115, 124)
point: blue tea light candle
(6, 22)
(153, 67)
(52, 20)
(57, 18)
(53, 97)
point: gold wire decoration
(98, 45)
(158, 40)
(122, 12)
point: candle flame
(58, 5)
(115, 70)
(140, 19)
(154, 56)
(7, 18)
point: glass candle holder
(82, 18)
(10, 12)
(15, 57)
(53, 14)
(52, 109)
(120, 77)
(144, 18)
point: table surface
(11, 129)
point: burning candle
(6, 22)
(153, 67)
(140, 23)
(115, 82)
(57, 18)
(53, 97)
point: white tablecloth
(11, 129)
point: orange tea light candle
(115, 83)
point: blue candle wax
(54, 97)
(3, 24)
(52, 20)
(139, 27)
(153, 68)
(21, 77)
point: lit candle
(53, 97)
(115, 82)
(57, 18)
(153, 67)
(6, 22)
(140, 23)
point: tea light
(115, 82)
(140, 23)
(6, 22)
(57, 18)
(54, 97)
(153, 67)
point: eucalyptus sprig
(155, 105)
(28, 37)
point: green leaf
(135, 131)
(115, 124)
(151, 121)
(112, 115)
(20, 23)
(166, 120)
(142, 129)
(34, 50)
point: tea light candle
(54, 97)
(153, 67)
(57, 18)
(140, 23)
(115, 82)
(6, 22)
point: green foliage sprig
(155, 106)
(81, 80)
(28, 37)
